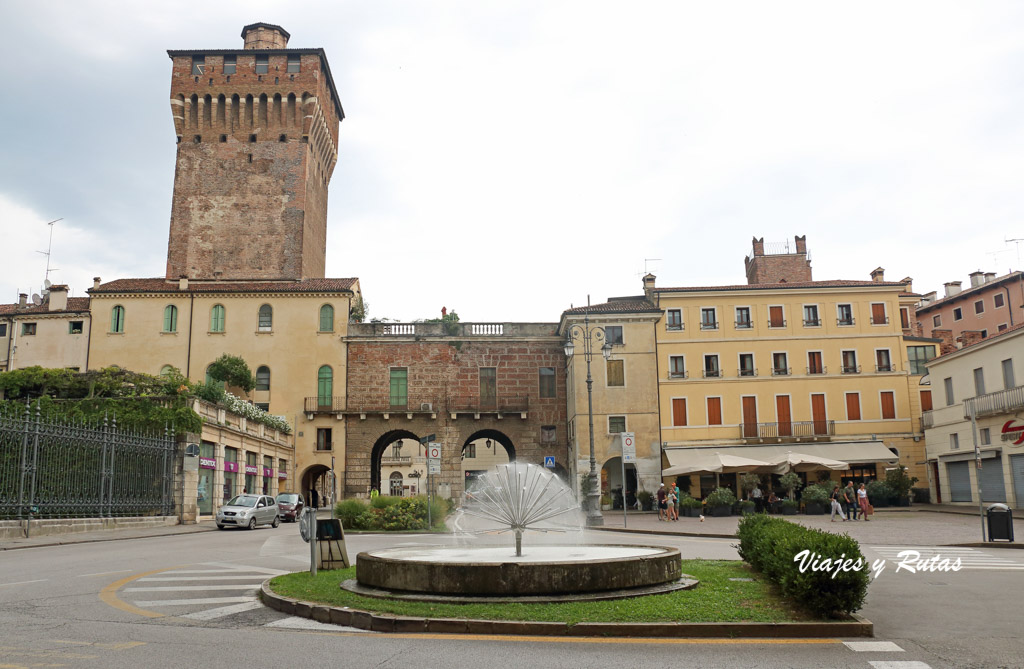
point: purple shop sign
(207, 463)
(282, 474)
(231, 466)
(252, 469)
(268, 472)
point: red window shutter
(926, 400)
(878, 314)
(775, 315)
(888, 404)
(679, 411)
(714, 411)
(852, 406)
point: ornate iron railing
(788, 430)
(54, 468)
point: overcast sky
(506, 159)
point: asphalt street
(188, 600)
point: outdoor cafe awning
(854, 452)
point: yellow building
(787, 364)
(289, 332)
(53, 333)
(625, 392)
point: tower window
(229, 64)
(223, 138)
(252, 138)
(198, 66)
(283, 138)
(262, 64)
(197, 139)
(294, 63)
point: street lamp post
(587, 335)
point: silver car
(248, 511)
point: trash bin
(1000, 523)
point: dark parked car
(290, 506)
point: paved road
(187, 600)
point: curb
(664, 534)
(365, 620)
(989, 544)
(69, 542)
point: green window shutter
(324, 385)
(171, 318)
(399, 387)
(326, 318)
(217, 318)
(117, 319)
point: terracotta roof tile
(969, 291)
(617, 306)
(75, 304)
(785, 286)
(161, 285)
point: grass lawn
(716, 599)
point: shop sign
(252, 469)
(281, 474)
(268, 472)
(1014, 433)
(207, 463)
(231, 466)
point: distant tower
(257, 142)
(779, 264)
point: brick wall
(446, 374)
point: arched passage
(379, 446)
(318, 477)
(611, 481)
(483, 451)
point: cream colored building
(625, 391)
(54, 333)
(289, 333)
(983, 379)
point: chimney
(878, 275)
(95, 282)
(649, 286)
(801, 243)
(265, 36)
(969, 338)
(908, 284)
(22, 299)
(990, 276)
(58, 297)
(977, 278)
(928, 299)
(183, 283)
(947, 345)
(758, 246)
(952, 288)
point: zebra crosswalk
(216, 590)
(970, 558)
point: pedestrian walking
(850, 497)
(662, 503)
(836, 506)
(862, 500)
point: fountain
(521, 500)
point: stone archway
(318, 477)
(611, 481)
(377, 453)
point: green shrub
(899, 483)
(817, 494)
(879, 493)
(690, 503)
(770, 546)
(348, 510)
(720, 497)
(383, 502)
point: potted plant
(816, 499)
(879, 493)
(748, 482)
(747, 507)
(900, 484)
(720, 502)
(790, 482)
(789, 507)
(646, 500)
(606, 502)
(690, 507)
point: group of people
(848, 501)
(668, 502)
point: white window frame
(672, 374)
(788, 368)
(839, 315)
(672, 408)
(885, 313)
(750, 317)
(817, 312)
(888, 352)
(739, 364)
(895, 412)
(784, 320)
(718, 365)
(714, 314)
(674, 328)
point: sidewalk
(921, 524)
(105, 535)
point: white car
(249, 511)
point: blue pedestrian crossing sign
(549, 461)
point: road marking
(109, 595)
(38, 580)
(121, 645)
(298, 623)
(238, 568)
(258, 577)
(899, 665)
(193, 602)
(873, 646)
(593, 640)
(105, 573)
(211, 614)
(195, 588)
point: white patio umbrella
(717, 463)
(802, 462)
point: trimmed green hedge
(771, 545)
(391, 514)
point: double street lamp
(588, 336)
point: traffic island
(730, 602)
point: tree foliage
(233, 370)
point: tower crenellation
(257, 133)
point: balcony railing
(324, 404)
(747, 372)
(743, 325)
(709, 325)
(927, 420)
(812, 323)
(788, 430)
(782, 371)
(678, 375)
(674, 327)
(777, 324)
(499, 404)
(1004, 401)
(387, 404)
(851, 369)
(712, 373)
(883, 368)
(817, 370)
(393, 461)
(845, 321)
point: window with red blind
(926, 400)
(904, 318)
(888, 404)
(878, 314)
(852, 406)
(776, 317)
(714, 411)
(679, 411)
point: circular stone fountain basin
(496, 571)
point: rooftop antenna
(46, 253)
(647, 260)
(1017, 242)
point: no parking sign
(628, 447)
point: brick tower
(257, 132)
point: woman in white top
(862, 499)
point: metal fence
(54, 468)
